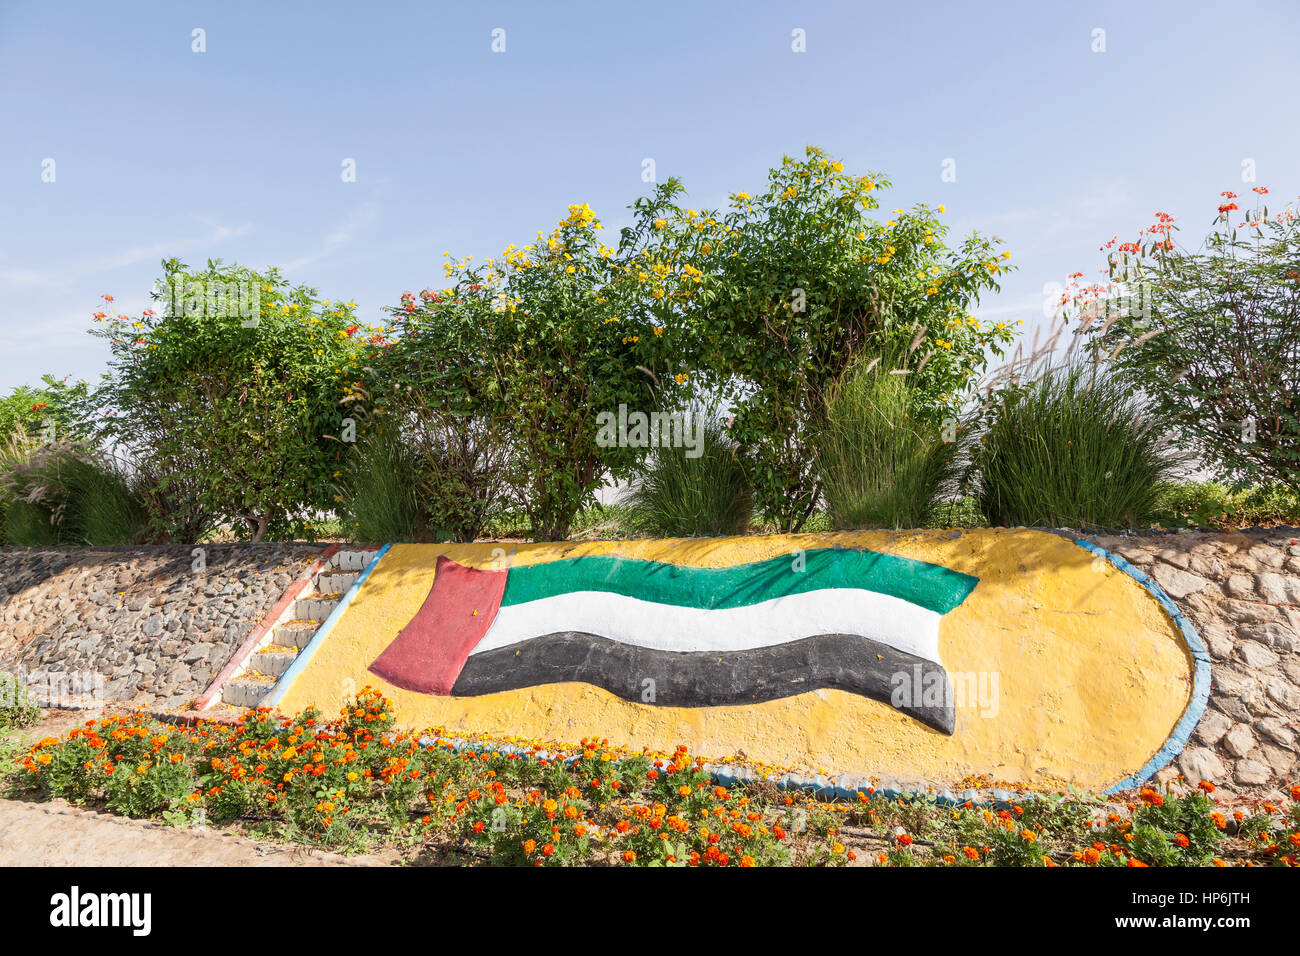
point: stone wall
(155, 631)
(136, 624)
(1242, 593)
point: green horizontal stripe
(931, 586)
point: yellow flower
(941, 209)
(660, 223)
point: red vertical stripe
(430, 651)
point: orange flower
(629, 856)
(904, 839)
(1091, 855)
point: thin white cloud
(20, 278)
(359, 219)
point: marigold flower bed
(356, 783)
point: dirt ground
(57, 833)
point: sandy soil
(58, 834)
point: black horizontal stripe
(844, 662)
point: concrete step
(246, 691)
(294, 633)
(273, 660)
(336, 582)
(316, 607)
(350, 560)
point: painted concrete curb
(1200, 684)
(300, 663)
(821, 787)
(272, 618)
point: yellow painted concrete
(1092, 675)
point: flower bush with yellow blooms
(789, 286)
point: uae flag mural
(680, 636)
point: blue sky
(236, 152)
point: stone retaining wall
(136, 624)
(1242, 593)
(155, 630)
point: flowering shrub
(529, 348)
(1211, 335)
(788, 287)
(231, 404)
(356, 781)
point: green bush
(883, 459)
(378, 489)
(231, 395)
(53, 410)
(1073, 448)
(462, 462)
(682, 496)
(1201, 504)
(790, 286)
(1211, 335)
(536, 345)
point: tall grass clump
(1071, 448)
(883, 460)
(68, 493)
(379, 489)
(681, 496)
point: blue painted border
(1200, 684)
(817, 785)
(305, 655)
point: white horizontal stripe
(666, 627)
